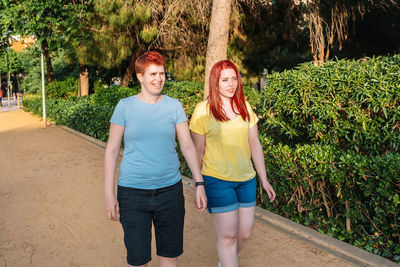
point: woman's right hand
(200, 198)
(111, 207)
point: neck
(225, 101)
(149, 98)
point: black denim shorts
(139, 208)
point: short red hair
(214, 98)
(147, 59)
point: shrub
(109, 96)
(331, 136)
(63, 89)
(347, 103)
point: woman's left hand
(270, 191)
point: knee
(243, 237)
(228, 238)
(168, 262)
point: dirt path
(51, 205)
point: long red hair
(214, 99)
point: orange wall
(21, 45)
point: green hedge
(315, 182)
(67, 89)
(80, 114)
(331, 136)
(346, 103)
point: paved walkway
(51, 204)
(13, 105)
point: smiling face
(152, 80)
(228, 83)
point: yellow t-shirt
(227, 153)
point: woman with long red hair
(224, 130)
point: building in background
(19, 43)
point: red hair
(214, 98)
(147, 59)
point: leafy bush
(77, 114)
(331, 136)
(347, 103)
(109, 96)
(322, 187)
(63, 89)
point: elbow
(111, 153)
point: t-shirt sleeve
(180, 113)
(197, 120)
(253, 116)
(119, 116)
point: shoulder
(202, 106)
(249, 107)
(127, 100)
(171, 100)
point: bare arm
(200, 143)
(257, 155)
(189, 152)
(110, 165)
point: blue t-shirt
(150, 160)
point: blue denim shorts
(225, 196)
(139, 208)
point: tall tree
(124, 29)
(218, 37)
(34, 18)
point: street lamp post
(43, 91)
(8, 80)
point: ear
(139, 76)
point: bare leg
(226, 225)
(246, 222)
(168, 262)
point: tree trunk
(83, 80)
(129, 72)
(46, 53)
(218, 37)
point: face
(153, 79)
(227, 83)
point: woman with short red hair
(149, 182)
(224, 130)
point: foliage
(63, 89)
(78, 114)
(110, 95)
(346, 103)
(331, 142)
(314, 183)
(267, 37)
(14, 62)
(30, 61)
